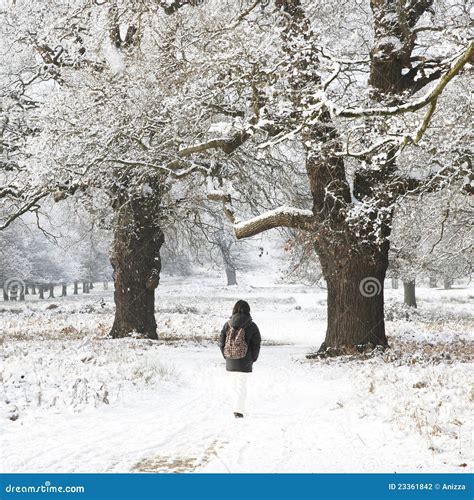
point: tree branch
(226, 144)
(171, 168)
(296, 218)
(434, 182)
(171, 8)
(29, 204)
(431, 96)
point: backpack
(235, 346)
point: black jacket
(252, 337)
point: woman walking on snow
(240, 345)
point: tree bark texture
(136, 262)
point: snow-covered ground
(75, 401)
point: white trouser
(239, 391)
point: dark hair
(241, 306)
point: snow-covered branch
(226, 144)
(416, 105)
(175, 169)
(279, 217)
(28, 202)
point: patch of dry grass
(176, 464)
(404, 351)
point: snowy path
(297, 422)
(335, 416)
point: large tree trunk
(355, 305)
(409, 296)
(137, 265)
